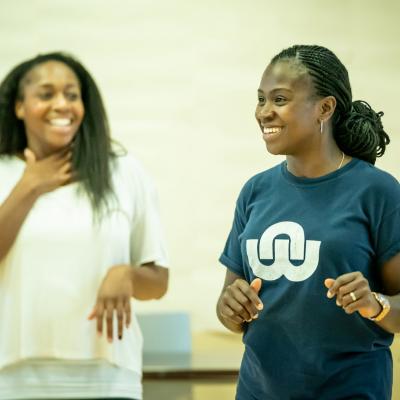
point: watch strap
(384, 302)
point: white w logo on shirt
(282, 251)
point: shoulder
(127, 166)
(376, 173)
(377, 179)
(126, 161)
(260, 182)
(129, 175)
(263, 179)
(380, 190)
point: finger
(67, 178)
(329, 282)
(68, 156)
(250, 293)
(127, 307)
(30, 157)
(109, 320)
(340, 281)
(100, 316)
(64, 180)
(256, 284)
(63, 158)
(66, 167)
(356, 294)
(120, 318)
(354, 306)
(239, 302)
(67, 149)
(343, 292)
(231, 315)
(239, 309)
(92, 314)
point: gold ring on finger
(353, 296)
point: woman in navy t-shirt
(313, 257)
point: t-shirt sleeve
(147, 236)
(388, 236)
(386, 230)
(232, 256)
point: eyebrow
(275, 90)
(50, 85)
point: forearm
(13, 213)
(150, 281)
(391, 323)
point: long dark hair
(357, 128)
(92, 154)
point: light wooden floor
(225, 389)
(188, 390)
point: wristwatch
(384, 302)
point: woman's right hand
(49, 173)
(239, 301)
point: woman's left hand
(353, 293)
(114, 294)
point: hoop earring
(321, 126)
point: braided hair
(357, 128)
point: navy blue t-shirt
(294, 233)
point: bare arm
(13, 213)
(391, 285)
(150, 281)
(238, 302)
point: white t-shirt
(50, 277)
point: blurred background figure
(80, 236)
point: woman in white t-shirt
(80, 236)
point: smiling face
(51, 107)
(287, 110)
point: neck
(39, 151)
(315, 165)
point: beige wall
(179, 79)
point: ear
(327, 107)
(19, 109)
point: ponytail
(360, 133)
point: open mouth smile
(60, 122)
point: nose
(60, 102)
(264, 112)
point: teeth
(272, 130)
(60, 122)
